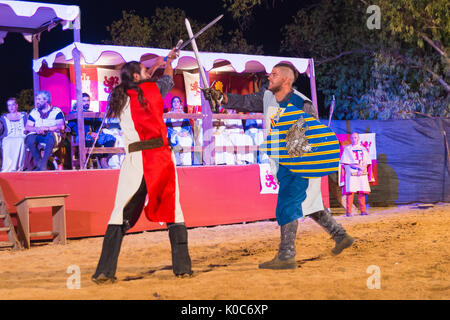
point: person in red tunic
(147, 179)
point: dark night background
(16, 53)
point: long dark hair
(171, 102)
(118, 97)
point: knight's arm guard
(165, 84)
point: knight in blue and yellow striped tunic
(294, 172)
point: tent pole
(208, 136)
(312, 81)
(76, 30)
(36, 84)
(79, 98)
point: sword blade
(197, 56)
(201, 31)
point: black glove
(214, 96)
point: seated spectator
(73, 123)
(221, 139)
(254, 129)
(91, 130)
(44, 124)
(112, 127)
(235, 137)
(180, 133)
(13, 137)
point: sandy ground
(409, 248)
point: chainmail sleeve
(165, 84)
(246, 103)
(309, 108)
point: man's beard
(41, 107)
(275, 89)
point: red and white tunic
(155, 165)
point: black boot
(181, 261)
(337, 232)
(285, 258)
(107, 265)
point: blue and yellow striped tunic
(324, 157)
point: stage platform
(209, 196)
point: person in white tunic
(13, 142)
(237, 138)
(112, 127)
(180, 133)
(356, 161)
(224, 156)
(229, 133)
(254, 129)
(44, 125)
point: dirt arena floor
(407, 247)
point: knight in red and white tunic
(147, 180)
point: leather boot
(285, 258)
(337, 232)
(343, 244)
(107, 265)
(181, 261)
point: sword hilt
(177, 47)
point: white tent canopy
(108, 55)
(31, 18)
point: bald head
(354, 138)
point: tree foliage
(165, 37)
(241, 10)
(334, 34)
(426, 26)
(374, 74)
(25, 100)
(130, 30)
(419, 22)
(237, 43)
(399, 92)
(167, 26)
